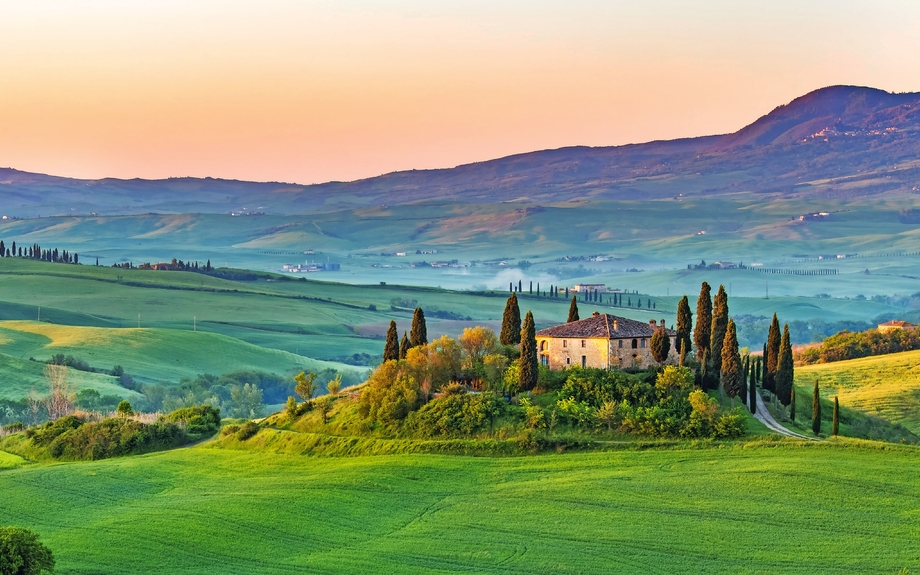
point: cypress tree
(684, 325)
(703, 322)
(510, 287)
(771, 356)
(683, 353)
(2, 249)
(391, 348)
(418, 335)
(511, 322)
(531, 287)
(745, 373)
(816, 411)
(404, 346)
(836, 425)
(752, 393)
(519, 285)
(784, 372)
(792, 404)
(566, 293)
(704, 370)
(629, 302)
(660, 345)
(529, 367)
(719, 327)
(731, 367)
(573, 310)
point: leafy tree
(511, 322)
(701, 334)
(246, 401)
(731, 368)
(418, 335)
(573, 310)
(784, 372)
(324, 406)
(529, 365)
(772, 356)
(816, 411)
(391, 393)
(391, 347)
(335, 385)
(124, 409)
(719, 326)
(684, 325)
(660, 345)
(404, 346)
(21, 553)
(477, 343)
(305, 386)
(836, 425)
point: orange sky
(309, 91)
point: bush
(457, 413)
(247, 430)
(115, 437)
(229, 430)
(21, 553)
(44, 435)
(198, 420)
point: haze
(309, 92)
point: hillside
(839, 131)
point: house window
(544, 359)
(635, 343)
(643, 343)
(568, 361)
(543, 345)
(565, 343)
(584, 361)
(621, 343)
(583, 343)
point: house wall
(560, 353)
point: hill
(840, 131)
(747, 508)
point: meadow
(777, 507)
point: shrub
(115, 437)
(247, 430)
(21, 553)
(229, 430)
(198, 420)
(456, 413)
(44, 435)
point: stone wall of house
(560, 353)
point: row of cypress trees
(395, 349)
(514, 333)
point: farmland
(742, 508)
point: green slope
(18, 378)
(742, 509)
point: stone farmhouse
(895, 325)
(602, 340)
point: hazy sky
(309, 91)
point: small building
(590, 288)
(602, 340)
(895, 324)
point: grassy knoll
(10, 461)
(887, 385)
(741, 508)
(149, 354)
(19, 377)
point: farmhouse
(602, 340)
(582, 288)
(893, 325)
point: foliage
(511, 322)
(719, 326)
(835, 428)
(732, 374)
(528, 365)
(197, 420)
(456, 414)
(21, 553)
(771, 356)
(684, 326)
(391, 393)
(573, 310)
(247, 430)
(246, 400)
(816, 410)
(701, 335)
(305, 387)
(391, 347)
(785, 371)
(418, 334)
(848, 345)
(660, 345)
(323, 406)
(124, 409)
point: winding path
(764, 416)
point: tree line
(36, 252)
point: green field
(887, 385)
(740, 508)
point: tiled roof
(602, 325)
(895, 323)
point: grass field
(778, 508)
(885, 385)
(19, 377)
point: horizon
(311, 94)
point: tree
(404, 345)
(752, 392)
(511, 322)
(701, 334)
(477, 343)
(660, 345)
(816, 411)
(391, 347)
(21, 553)
(682, 355)
(792, 404)
(529, 367)
(771, 356)
(418, 335)
(836, 425)
(305, 387)
(684, 325)
(335, 385)
(784, 372)
(61, 396)
(246, 401)
(719, 326)
(731, 368)
(745, 372)
(124, 409)
(324, 406)
(573, 310)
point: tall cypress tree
(511, 322)
(391, 348)
(573, 310)
(704, 370)
(792, 404)
(731, 374)
(684, 325)
(772, 356)
(745, 373)
(529, 366)
(703, 321)
(816, 411)
(418, 335)
(404, 346)
(719, 326)
(660, 345)
(752, 394)
(682, 355)
(784, 372)
(836, 425)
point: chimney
(595, 314)
(615, 327)
(662, 322)
(652, 323)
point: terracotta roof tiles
(602, 325)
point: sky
(310, 90)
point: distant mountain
(859, 133)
